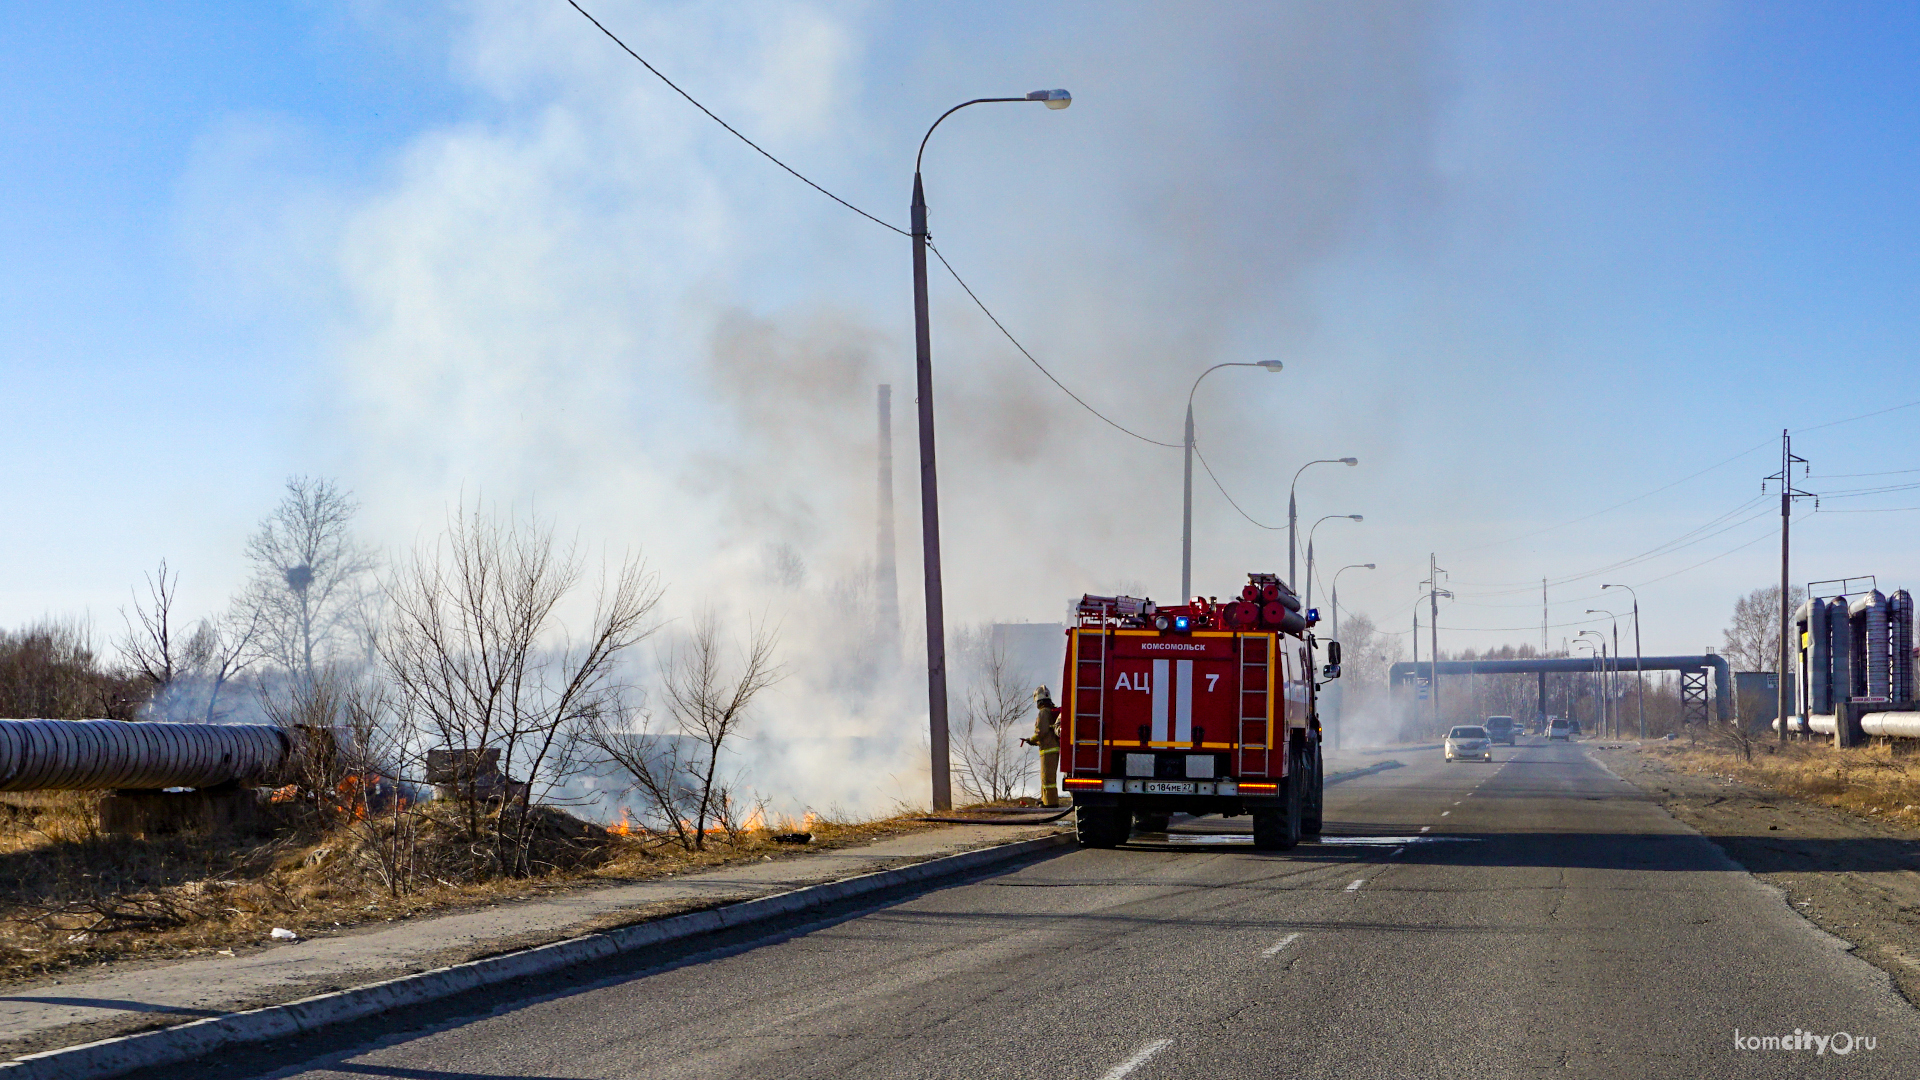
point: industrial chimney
(886, 573)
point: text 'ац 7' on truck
(1207, 708)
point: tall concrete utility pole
(1787, 494)
(1434, 593)
(929, 473)
(1433, 627)
(886, 570)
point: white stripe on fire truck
(1160, 700)
(1183, 701)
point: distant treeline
(50, 670)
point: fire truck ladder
(1091, 653)
(1254, 662)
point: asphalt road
(1536, 916)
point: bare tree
(481, 661)
(307, 576)
(709, 705)
(1752, 638)
(990, 764)
(348, 773)
(186, 674)
(679, 771)
(150, 648)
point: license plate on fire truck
(1165, 787)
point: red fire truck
(1207, 708)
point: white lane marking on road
(1426, 828)
(1356, 885)
(1275, 948)
(1457, 803)
(1444, 813)
(1140, 1057)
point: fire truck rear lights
(1248, 786)
(1083, 782)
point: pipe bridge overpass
(1693, 676)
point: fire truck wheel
(1101, 826)
(1316, 795)
(1278, 828)
(1147, 821)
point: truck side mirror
(1330, 671)
(1333, 653)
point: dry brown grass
(73, 896)
(1870, 781)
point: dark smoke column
(886, 570)
(929, 488)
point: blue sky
(1526, 261)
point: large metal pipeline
(92, 755)
(1822, 724)
(1722, 673)
(1900, 725)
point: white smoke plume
(588, 300)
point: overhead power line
(611, 36)
(1223, 491)
(736, 134)
(1851, 419)
(998, 325)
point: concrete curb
(1355, 774)
(185, 1042)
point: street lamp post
(1616, 659)
(1186, 505)
(1639, 675)
(1293, 513)
(929, 488)
(1600, 673)
(1316, 525)
(1339, 689)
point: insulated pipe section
(1898, 725)
(1822, 724)
(1869, 617)
(1722, 673)
(92, 755)
(1900, 645)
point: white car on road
(1558, 728)
(1469, 742)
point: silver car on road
(1469, 742)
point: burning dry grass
(1870, 781)
(71, 895)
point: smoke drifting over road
(594, 303)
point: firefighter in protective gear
(1046, 736)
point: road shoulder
(1854, 878)
(119, 1000)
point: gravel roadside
(1854, 878)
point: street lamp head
(1356, 517)
(1270, 365)
(1349, 461)
(1055, 99)
(1367, 565)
